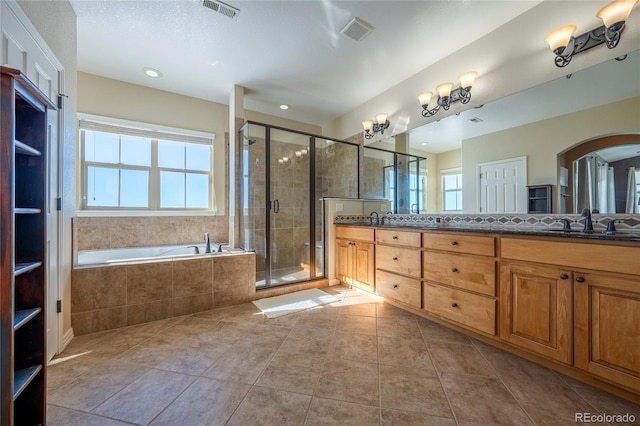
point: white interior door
(21, 47)
(503, 186)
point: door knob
(564, 276)
(580, 279)
(454, 269)
(454, 305)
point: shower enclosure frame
(271, 204)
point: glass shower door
(289, 219)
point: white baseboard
(67, 338)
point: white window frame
(450, 172)
(155, 133)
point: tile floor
(355, 362)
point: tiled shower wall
(91, 233)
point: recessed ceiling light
(423, 143)
(283, 106)
(151, 72)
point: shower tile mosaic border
(625, 223)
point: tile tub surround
(92, 233)
(114, 296)
(234, 366)
(625, 223)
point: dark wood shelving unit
(23, 134)
(539, 198)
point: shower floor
(283, 276)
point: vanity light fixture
(565, 46)
(284, 107)
(447, 95)
(152, 72)
(373, 127)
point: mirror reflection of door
(503, 186)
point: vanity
(568, 301)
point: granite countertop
(508, 230)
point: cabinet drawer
(399, 238)
(354, 233)
(473, 273)
(470, 310)
(397, 259)
(459, 243)
(402, 289)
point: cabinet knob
(395, 237)
(395, 257)
(454, 243)
(454, 269)
(580, 279)
(454, 305)
(564, 276)
(395, 286)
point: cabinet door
(342, 260)
(536, 308)
(607, 327)
(364, 264)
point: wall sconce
(565, 46)
(371, 127)
(446, 96)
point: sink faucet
(371, 218)
(588, 225)
(207, 241)
(385, 216)
(566, 224)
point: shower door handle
(276, 206)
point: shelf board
(23, 268)
(24, 149)
(22, 378)
(25, 210)
(23, 316)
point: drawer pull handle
(395, 257)
(454, 243)
(395, 286)
(454, 305)
(580, 279)
(454, 269)
(564, 276)
(395, 237)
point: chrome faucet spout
(371, 218)
(207, 241)
(588, 224)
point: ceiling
(281, 52)
(293, 52)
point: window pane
(102, 187)
(459, 200)
(135, 151)
(450, 181)
(101, 147)
(134, 188)
(171, 154)
(198, 157)
(450, 199)
(172, 190)
(197, 191)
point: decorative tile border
(625, 223)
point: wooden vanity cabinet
(355, 256)
(548, 296)
(398, 266)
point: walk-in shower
(285, 174)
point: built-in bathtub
(143, 254)
(113, 288)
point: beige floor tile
(316, 344)
(144, 399)
(409, 389)
(405, 351)
(314, 364)
(60, 416)
(117, 344)
(358, 306)
(386, 310)
(397, 327)
(482, 400)
(96, 386)
(459, 359)
(399, 418)
(243, 364)
(79, 343)
(354, 347)
(289, 378)
(63, 370)
(349, 381)
(263, 406)
(154, 327)
(432, 332)
(330, 412)
(207, 402)
(605, 402)
(357, 324)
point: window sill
(143, 213)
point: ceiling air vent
(357, 29)
(476, 120)
(222, 8)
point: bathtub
(142, 254)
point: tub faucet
(207, 241)
(195, 248)
(371, 218)
(588, 224)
